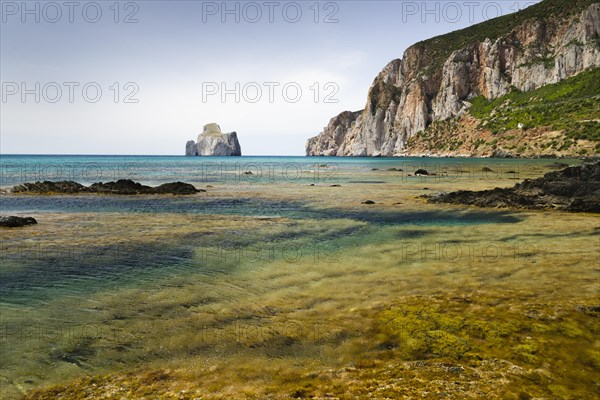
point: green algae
(537, 337)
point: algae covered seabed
(279, 289)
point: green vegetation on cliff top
(572, 105)
(436, 50)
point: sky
(144, 77)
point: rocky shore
(122, 186)
(573, 189)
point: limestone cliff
(436, 79)
(212, 142)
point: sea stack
(212, 142)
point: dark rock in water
(176, 188)
(122, 186)
(368, 202)
(486, 169)
(374, 169)
(574, 189)
(248, 173)
(127, 186)
(421, 172)
(15, 222)
(49, 187)
(369, 182)
(395, 169)
(557, 165)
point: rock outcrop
(575, 189)
(16, 222)
(435, 79)
(122, 186)
(331, 141)
(212, 142)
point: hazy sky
(143, 77)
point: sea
(106, 284)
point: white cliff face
(407, 96)
(212, 142)
(334, 136)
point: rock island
(212, 142)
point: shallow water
(154, 170)
(285, 278)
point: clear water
(153, 170)
(137, 265)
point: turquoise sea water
(59, 270)
(31, 276)
(152, 170)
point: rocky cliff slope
(437, 80)
(212, 142)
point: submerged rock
(212, 142)
(574, 189)
(122, 186)
(15, 222)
